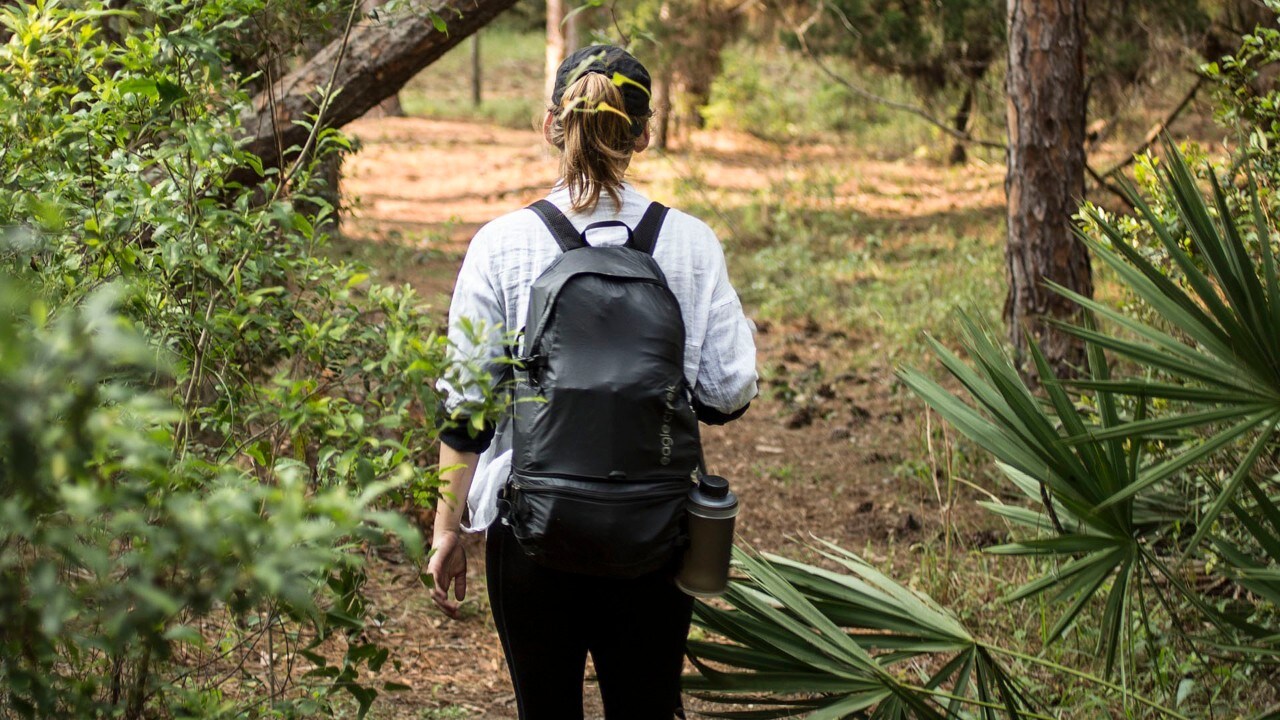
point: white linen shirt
(509, 253)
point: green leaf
(364, 697)
(170, 92)
(140, 86)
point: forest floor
(834, 446)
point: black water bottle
(712, 509)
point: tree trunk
(476, 96)
(391, 107)
(661, 106)
(380, 58)
(959, 154)
(1045, 180)
(555, 44)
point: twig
(1101, 178)
(271, 98)
(1048, 505)
(1110, 187)
(613, 18)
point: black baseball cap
(610, 61)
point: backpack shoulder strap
(645, 236)
(567, 237)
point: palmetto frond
(806, 640)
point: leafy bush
(113, 557)
(1250, 101)
(191, 479)
(1149, 488)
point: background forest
(228, 230)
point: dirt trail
(420, 177)
(821, 458)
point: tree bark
(661, 106)
(1045, 179)
(389, 107)
(476, 95)
(959, 154)
(555, 44)
(380, 58)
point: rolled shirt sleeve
(727, 380)
(476, 337)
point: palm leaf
(1050, 448)
(1225, 367)
(803, 637)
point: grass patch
(881, 280)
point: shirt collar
(560, 191)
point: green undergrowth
(882, 281)
(397, 260)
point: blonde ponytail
(594, 134)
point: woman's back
(509, 253)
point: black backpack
(604, 434)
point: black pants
(549, 620)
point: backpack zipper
(641, 493)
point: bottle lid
(713, 486)
(711, 497)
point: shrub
(1148, 493)
(205, 421)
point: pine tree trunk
(959, 154)
(476, 96)
(1045, 180)
(661, 107)
(555, 44)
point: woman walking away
(631, 334)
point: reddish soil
(824, 457)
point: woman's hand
(448, 565)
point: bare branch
(1101, 180)
(1155, 132)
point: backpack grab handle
(608, 223)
